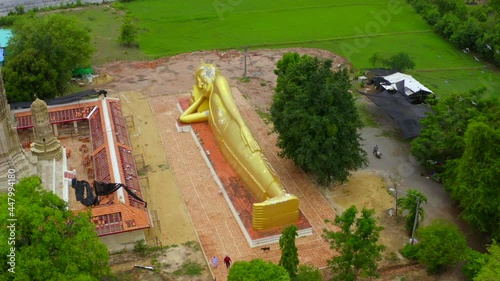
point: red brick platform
(238, 194)
(212, 218)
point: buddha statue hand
(249, 140)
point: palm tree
(409, 204)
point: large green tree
(440, 244)
(316, 118)
(408, 204)
(491, 270)
(41, 55)
(476, 182)
(356, 242)
(257, 270)
(289, 252)
(49, 242)
(441, 138)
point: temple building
(86, 140)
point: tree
(316, 118)
(128, 31)
(454, 6)
(400, 61)
(409, 204)
(491, 270)
(377, 59)
(41, 54)
(476, 183)
(447, 25)
(51, 243)
(467, 33)
(440, 244)
(289, 253)
(257, 270)
(441, 137)
(432, 16)
(474, 262)
(356, 242)
(308, 273)
(30, 61)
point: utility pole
(245, 66)
(396, 193)
(415, 222)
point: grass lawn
(174, 27)
(104, 24)
(352, 28)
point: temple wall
(122, 241)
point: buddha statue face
(205, 76)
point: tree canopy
(440, 244)
(491, 270)
(51, 243)
(476, 182)
(356, 242)
(441, 137)
(459, 142)
(257, 270)
(400, 61)
(409, 204)
(41, 54)
(128, 31)
(289, 253)
(316, 118)
(473, 30)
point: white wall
(121, 241)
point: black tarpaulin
(406, 114)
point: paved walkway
(213, 221)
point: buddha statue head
(205, 76)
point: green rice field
(352, 28)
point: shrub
(308, 273)
(410, 251)
(441, 245)
(474, 261)
(140, 247)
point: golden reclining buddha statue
(212, 101)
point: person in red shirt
(227, 261)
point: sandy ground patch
(171, 222)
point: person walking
(215, 261)
(375, 149)
(227, 261)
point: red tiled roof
(24, 120)
(113, 217)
